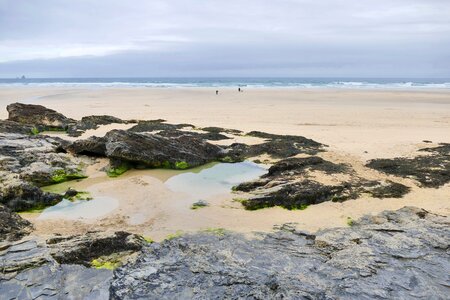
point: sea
(247, 82)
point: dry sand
(356, 124)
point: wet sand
(356, 124)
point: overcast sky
(292, 38)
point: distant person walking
(239, 90)
(217, 92)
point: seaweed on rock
(432, 170)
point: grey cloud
(407, 38)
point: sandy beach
(357, 125)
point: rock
(29, 161)
(93, 146)
(82, 249)
(70, 193)
(212, 136)
(431, 170)
(222, 130)
(199, 204)
(155, 151)
(12, 226)
(288, 184)
(127, 149)
(61, 268)
(14, 127)
(395, 255)
(92, 122)
(386, 189)
(299, 195)
(299, 165)
(27, 271)
(156, 125)
(22, 196)
(277, 146)
(37, 115)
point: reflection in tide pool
(216, 180)
(81, 209)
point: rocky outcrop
(431, 170)
(93, 146)
(12, 226)
(14, 127)
(157, 125)
(149, 150)
(27, 162)
(60, 268)
(288, 184)
(92, 122)
(277, 146)
(155, 151)
(394, 255)
(39, 116)
(82, 249)
(19, 195)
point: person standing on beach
(217, 92)
(239, 89)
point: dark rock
(387, 190)
(14, 127)
(37, 159)
(12, 226)
(70, 193)
(23, 196)
(93, 146)
(156, 125)
(395, 255)
(277, 146)
(299, 165)
(299, 195)
(27, 271)
(148, 150)
(431, 170)
(37, 115)
(199, 204)
(82, 249)
(287, 184)
(92, 122)
(205, 136)
(222, 130)
(155, 151)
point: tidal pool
(218, 179)
(80, 209)
(203, 182)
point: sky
(225, 38)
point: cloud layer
(110, 38)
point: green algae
(181, 165)
(34, 131)
(148, 239)
(59, 176)
(216, 231)
(350, 221)
(175, 235)
(117, 171)
(101, 263)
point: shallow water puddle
(194, 184)
(218, 179)
(81, 209)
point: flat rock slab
(395, 255)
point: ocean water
(376, 83)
